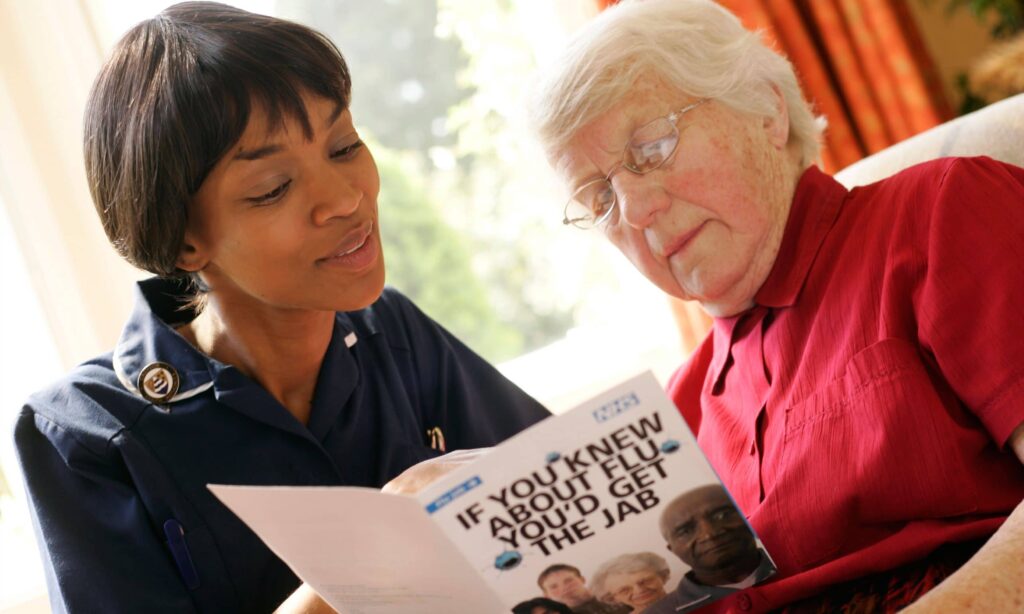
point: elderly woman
(861, 391)
(636, 580)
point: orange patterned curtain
(863, 65)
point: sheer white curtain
(49, 58)
(65, 292)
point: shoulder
(917, 210)
(683, 599)
(931, 181)
(84, 409)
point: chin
(718, 300)
(371, 291)
(359, 294)
(724, 310)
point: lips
(352, 241)
(647, 597)
(680, 242)
(356, 252)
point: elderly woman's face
(707, 225)
(638, 589)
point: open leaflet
(586, 491)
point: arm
(99, 551)
(968, 321)
(993, 580)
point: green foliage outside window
(430, 261)
(1007, 16)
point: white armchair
(996, 131)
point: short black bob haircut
(175, 95)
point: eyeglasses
(648, 149)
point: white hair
(695, 45)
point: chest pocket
(211, 590)
(881, 446)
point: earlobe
(190, 257)
(777, 125)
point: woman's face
(638, 589)
(286, 222)
(707, 225)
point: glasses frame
(673, 119)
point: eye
(649, 155)
(724, 513)
(651, 146)
(684, 530)
(347, 152)
(272, 196)
(596, 197)
(604, 198)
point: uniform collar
(149, 338)
(816, 204)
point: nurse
(222, 156)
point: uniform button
(744, 602)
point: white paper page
(364, 551)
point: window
(469, 210)
(27, 362)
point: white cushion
(996, 131)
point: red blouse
(859, 413)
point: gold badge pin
(158, 382)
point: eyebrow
(256, 154)
(679, 526)
(269, 150)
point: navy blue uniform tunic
(110, 475)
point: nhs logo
(617, 406)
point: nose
(334, 193)
(707, 529)
(640, 198)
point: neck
(280, 349)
